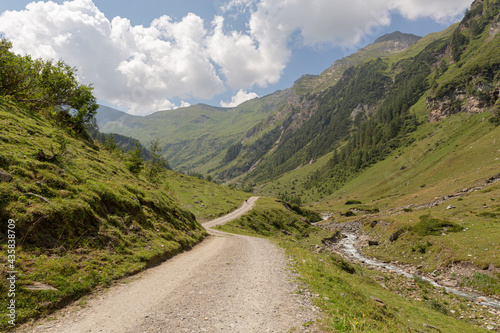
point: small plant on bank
(433, 226)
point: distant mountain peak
(400, 37)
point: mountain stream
(349, 248)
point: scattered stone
(372, 243)
(332, 240)
(450, 284)
(39, 286)
(5, 176)
(394, 237)
(490, 328)
(378, 301)
(451, 207)
(318, 249)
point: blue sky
(144, 56)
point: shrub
(353, 202)
(433, 226)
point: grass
(204, 199)
(344, 291)
(273, 217)
(433, 226)
(83, 220)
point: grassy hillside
(454, 163)
(352, 297)
(82, 219)
(193, 138)
(424, 83)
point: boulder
(5, 177)
(378, 301)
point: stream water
(349, 246)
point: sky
(150, 55)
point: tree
(110, 142)
(458, 42)
(157, 163)
(41, 84)
(475, 28)
(135, 163)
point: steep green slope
(81, 219)
(385, 45)
(368, 113)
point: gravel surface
(228, 283)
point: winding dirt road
(228, 283)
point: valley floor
(227, 283)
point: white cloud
(145, 68)
(439, 10)
(140, 68)
(247, 59)
(240, 97)
(239, 5)
(339, 22)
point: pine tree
(157, 163)
(135, 162)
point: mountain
(206, 139)
(358, 111)
(195, 137)
(376, 104)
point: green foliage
(82, 221)
(291, 198)
(124, 143)
(495, 119)
(485, 283)
(353, 202)
(433, 226)
(438, 306)
(232, 152)
(421, 248)
(134, 162)
(157, 163)
(40, 84)
(458, 44)
(110, 142)
(475, 28)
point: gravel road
(228, 283)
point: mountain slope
(369, 112)
(82, 219)
(192, 137)
(228, 142)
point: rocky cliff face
(474, 86)
(459, 100)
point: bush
(41, 84)
(433, 226)
(135, 163)
(439, 307)
(353, 202)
